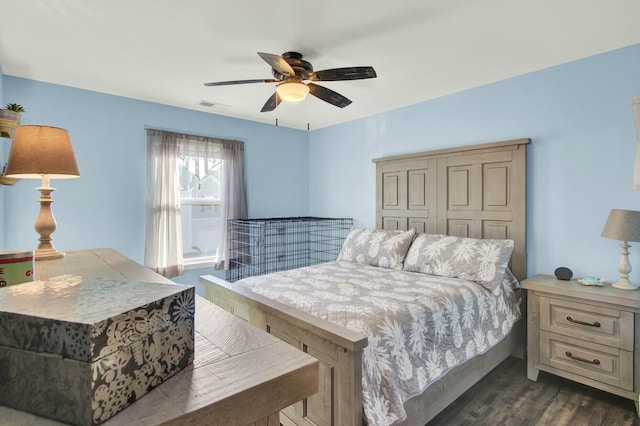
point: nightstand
(587, 334)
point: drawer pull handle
(577, 358)
(590, 324)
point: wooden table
(240, 375)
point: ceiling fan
(290, 71)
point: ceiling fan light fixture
(292, 91)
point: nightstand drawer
(598, 362)
(593, 323)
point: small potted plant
(10, 118)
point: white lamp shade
(622, 225)
(292, 91)
(41, 150)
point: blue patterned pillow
(483, 261)
(377, 247)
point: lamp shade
(622, 225)
(41, 150)
(292, 91)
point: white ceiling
(164, 50)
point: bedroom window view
(200, 208)
(194, 185)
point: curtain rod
(161, 129)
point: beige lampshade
(41, 150)
(622, 225)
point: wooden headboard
(477, 191)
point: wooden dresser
(584, 333)
(240, 375)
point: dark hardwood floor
(507, 397)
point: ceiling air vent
(213, 105)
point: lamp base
(46, 223)
(48, 254)
(624, 284)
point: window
(194, 186)
(200, 208)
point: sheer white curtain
(234, 196)
(163, 246)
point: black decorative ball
(563, 273)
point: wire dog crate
(261, 246)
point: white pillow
(377, 247)
(483, 261)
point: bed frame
(475, 191)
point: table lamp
(43, 152)
(623, 225)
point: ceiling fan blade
(277, 63)
(271, 103)
(328, 95)
(228, 83)
(349, 73)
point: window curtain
(234, 196)
(163, 245)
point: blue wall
(105, 207)
(580, 162)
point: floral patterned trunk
(79, 349)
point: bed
(472, 193)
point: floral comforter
(419, 326)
